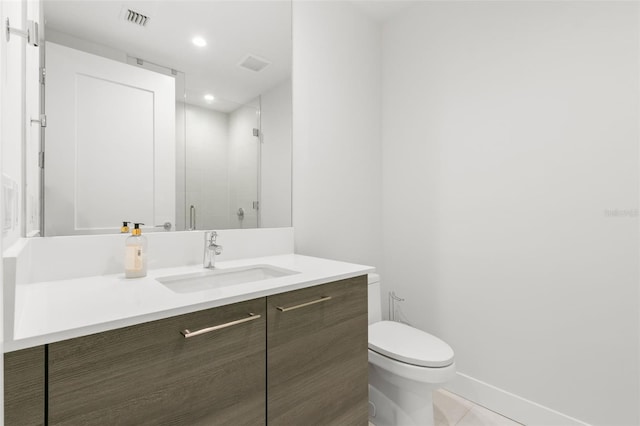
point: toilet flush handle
(392, 305)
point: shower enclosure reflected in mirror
(176, 114)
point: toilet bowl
(405, 366)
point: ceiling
(232, 29)
(382, 10)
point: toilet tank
(373, 294)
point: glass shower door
(222, 157)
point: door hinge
(256, 132)
(41, 159)
(43, 75)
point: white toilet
(405, 366)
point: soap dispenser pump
(124, 229)
(135, 259)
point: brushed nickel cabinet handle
(302, 305)
(186, 333)
(192, 218)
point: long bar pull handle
(187, 333)
(166, 226)
(192, 217)
(302, 305)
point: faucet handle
(210, 236)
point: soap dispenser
(135, 259)
(124, 229)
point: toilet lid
(410, 345)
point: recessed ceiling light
(208, 98)
(199, 41)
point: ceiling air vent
(254, 63)
(136, 17)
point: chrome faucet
(211, 249)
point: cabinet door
(150, 374)
(24, 387)
(317, 367)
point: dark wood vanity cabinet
(317, 366)
(151, 374)
(24, 386)
(295, 358)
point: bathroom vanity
(286, 350)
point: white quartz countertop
(47, 312)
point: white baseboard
(507, 404)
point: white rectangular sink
(208, 279)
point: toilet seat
(397, 371)
(409, 345)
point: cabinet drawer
(151, 374)
(317, 367)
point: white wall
(85, 45)
(3, 97)
(275, 176)
(510, 138)
(13, 130)
(31, 199)
(336, 133)
(15, 104)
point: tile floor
(451, 410)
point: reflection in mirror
(176, 114)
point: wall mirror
(172, 113)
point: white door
(109, 144)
